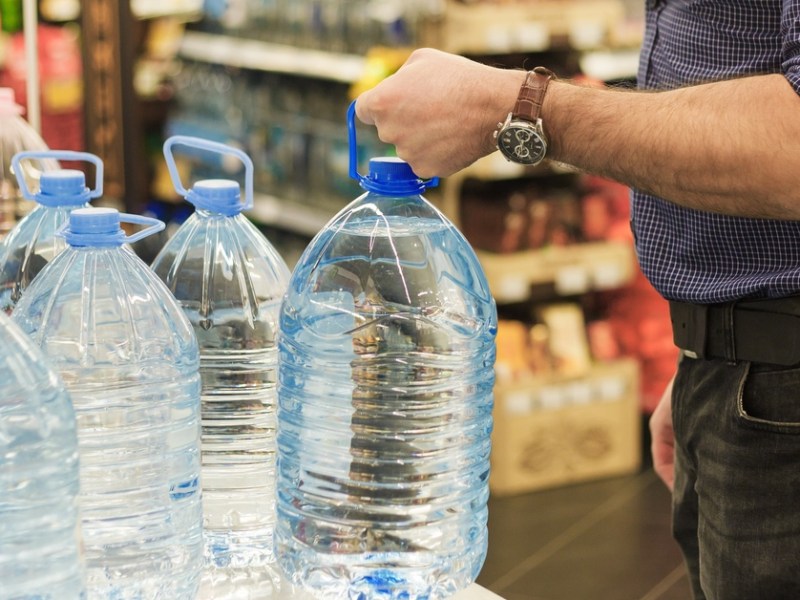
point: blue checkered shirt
(704, 257)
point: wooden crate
(553, 431)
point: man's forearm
(731, 147)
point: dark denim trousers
(736, 502)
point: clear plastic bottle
(39, 533)
(129, 359)
(16, 135)
(230, 281)
(33, 242)
(385, 385)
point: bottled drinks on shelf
(33, 242)
(230, 281)
(39, 532)
(349, 26)
(129, 359)
(16, 135)
(386, 361)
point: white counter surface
(289, 592)
(476, 592)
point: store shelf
(608, 65)
(572, 270)
(292, 216)
(525, 26)
(494, 167)
(154, 9)
(269, 57)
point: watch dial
(522, 145)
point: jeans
(736, 500)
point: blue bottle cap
(64, 187)
(100, 226)
(393, 176)
(217, 195)
(94, 227)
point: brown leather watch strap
(531, 94)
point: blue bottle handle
(351, 130)
(202, 144)
(153, 226)
(57, 155)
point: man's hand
(439, 110)
(663, 441)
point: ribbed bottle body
(385, 400)
(27, 249)
(130, 362)
(230, 282)
(39, 527)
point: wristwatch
(521, 138)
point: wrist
(505, 89)
(520, 137)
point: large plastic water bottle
(33, 242)
(16, 135)
(385, 400)
(39, 534)
(129, 359)
(230, 281)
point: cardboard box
(557, 430)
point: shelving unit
(154, 9)
(527, 27)
(577, 25)
(305, 220)
(264, 56)
(571, 270)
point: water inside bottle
(385, 411)
(127, 356)
(39, 531)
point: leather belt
(761, 331)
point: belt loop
(728, 332)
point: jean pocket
(770, 398)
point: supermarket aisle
(604, 540)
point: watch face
(522, 143)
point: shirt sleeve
(790, 28)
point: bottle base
(388, 576)
(259, 582)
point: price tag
(518, 403)
(512, 289)
(579, 392)
(572, 280)
(586, 34)
(608, 276)
(611, 388)
(498, 38)
(533, 36)
(551, 398)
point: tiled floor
(603, 540)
